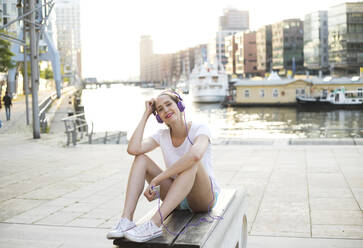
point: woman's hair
(172, 95)
(169, 93)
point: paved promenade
(57, 196)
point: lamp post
(34, 72)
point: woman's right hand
(149, 106)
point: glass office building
(264, 49)
(316, 55)
(288, 46)
(346, 38)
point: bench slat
(175, 222)
(197, 236)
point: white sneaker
(122, 226)
(144, 232)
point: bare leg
(193, 183)
(142, 168)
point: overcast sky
(111, 29)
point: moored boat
(339, 98)
(208, 84)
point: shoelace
(118, 225)
(145, 228)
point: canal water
(120, 108)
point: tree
(46, 73)
(5, 56)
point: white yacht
(208, 84)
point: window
(275, 93)
(247, 93)
(262, 93)
(360, 92)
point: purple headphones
(180, 105)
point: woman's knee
(140, 160)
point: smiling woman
(186, 183)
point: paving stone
(16, 243)
(331, 231)
(315, 192)
(337, 217)
(324, 141)
(14, 207)
(59, 218)
(80, 207)
(86, 222)
(333, 204)
(288, 224)
(331, 180)
(102, 213)
(286, 242)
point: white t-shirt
(172, 154)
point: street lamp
(19, 4)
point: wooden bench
(230, 232)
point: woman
(187, 181)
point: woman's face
(167, 109)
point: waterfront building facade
(288, 46)
(230, 53)
(346, 38)
(232, 21)
(284, 91)
(322, 86)
(316, 55)
(166, 69)
(246, 54)
(200, 55)
(69, 37)
(264, 49)
(269, 92)
(146, 53)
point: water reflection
(121, 107)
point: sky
(111, 29)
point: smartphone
(157, 190)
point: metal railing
(43, 108)
(76, 124)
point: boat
(208, 83)
(339, 98)
(183, 86)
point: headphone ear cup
(158, 119)
(181, 106)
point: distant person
(8, 104)
(186, 183)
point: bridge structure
(98, 84)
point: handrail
(73, 117)
(75, 124)
(43, 107)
